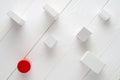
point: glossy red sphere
(23, 66)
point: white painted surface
(63, 61)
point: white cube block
(50, 42)
(104, 15)
(84, 34)
(16, 18)
(50, 11)
(92, 62)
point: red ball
(23, 66)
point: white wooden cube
(50, 42)
(84, 34)
(104, 15)
(92, 62)
(16, 18)
(51, 12)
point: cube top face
(104, 15)
(50, 11)
(92, 62)
(16, 18)
(84, 34)
(50, 42)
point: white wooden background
(63, 61)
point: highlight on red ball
(24, 66)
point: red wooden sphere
(23, 66)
